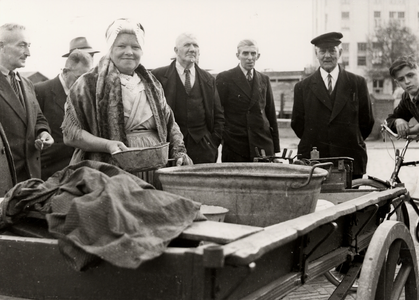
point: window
(377, 19)
(377, 85)
(345, 60)
(362, 60)
(362, 54)
(362, 47)
(397, 16)
(345, 47)
(377, 53)
(345, 20)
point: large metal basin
(258, 194)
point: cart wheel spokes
(390, 265)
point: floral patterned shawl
(95, 104)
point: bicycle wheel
(336, 275)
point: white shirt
(181, 71)
(245, 71)
(66, 89)
(334, 74)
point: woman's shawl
(95, 104)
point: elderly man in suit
(52, 95)
(25, 126)
(332, 109)
(249, 108)
(193, 97)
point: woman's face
(126, 53)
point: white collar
(66, 89)
(334, 73)
(181, 69)
(245, 71)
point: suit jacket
(339, 129)
(51, 97)
(213, 111)
(249, 112)
(22, 127)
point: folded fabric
(102, 211)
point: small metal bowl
(142, 159)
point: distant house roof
(34, 76)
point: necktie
(329, 84)
(188, 81)
(15, 86)
(249, 76)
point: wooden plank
(217, 232)
(253, 247)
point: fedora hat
(82, 44)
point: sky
(282, 29)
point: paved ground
(380, 165)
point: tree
(389, 42)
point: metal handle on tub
(310, 175)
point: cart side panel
(40, 272)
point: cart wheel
(390, 265)
(401, 214)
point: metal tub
(257, 194)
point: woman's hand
(115, 146)
(183, 160)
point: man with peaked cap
(82, 44)
(332, 109)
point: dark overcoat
(51, 97)
(339, 129)
(22, 126)
(250, 116)
(214, 116)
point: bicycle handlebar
(408, 138)
(386, 128)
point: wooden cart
(233, 261)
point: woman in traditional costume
(119, 104)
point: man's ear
(257, 57)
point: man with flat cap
(80, 43)
(332, 110)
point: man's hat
(82, 44)
(330, 38)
